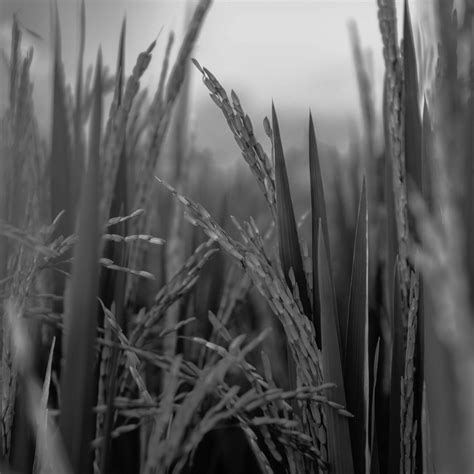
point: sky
(296, 53)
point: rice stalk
(162, 418)
(181, 283)
(395, 126)
(410, 423)
(114, 137)
(181, 440)
(132, 362)
(156, 108)
(298, 328)
(242, 129)
(174, 251)
(173, 87)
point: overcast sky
(296, 53)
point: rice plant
(141, 332)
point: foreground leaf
(114, 283)
(60, 162)
(77, 379)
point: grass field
(159, 316)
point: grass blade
(60, 178)
(77, 380)
(290, 253)
(374, 449)
(289, 246)
(113, 286)
(398, 364)
(427, 152)
(338, 438)
(14, 61)
(42, 430)
(413, 127)
(318, 213)
(78, 159)
(60, 142)
(356, 370)
(60, 162)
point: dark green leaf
(338, 437)
(413, 128)
(77, 378)
(119, 199)
(356, 371)
(318, 213)
(398, 364)
(60, 163)
(289, 246)
(290, 253)
(78, 159)
(114, 283)
(374, 448)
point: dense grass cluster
(136, 337)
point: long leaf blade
(60, 162)
(77, 381)
(290, 253)
(356, 370)
(289, 246)
(397, 371)
(77, 164)
(338, 437)
(318, 213)
(60, 177)
(113, 286)
(413, 127)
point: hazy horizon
(260, 49)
